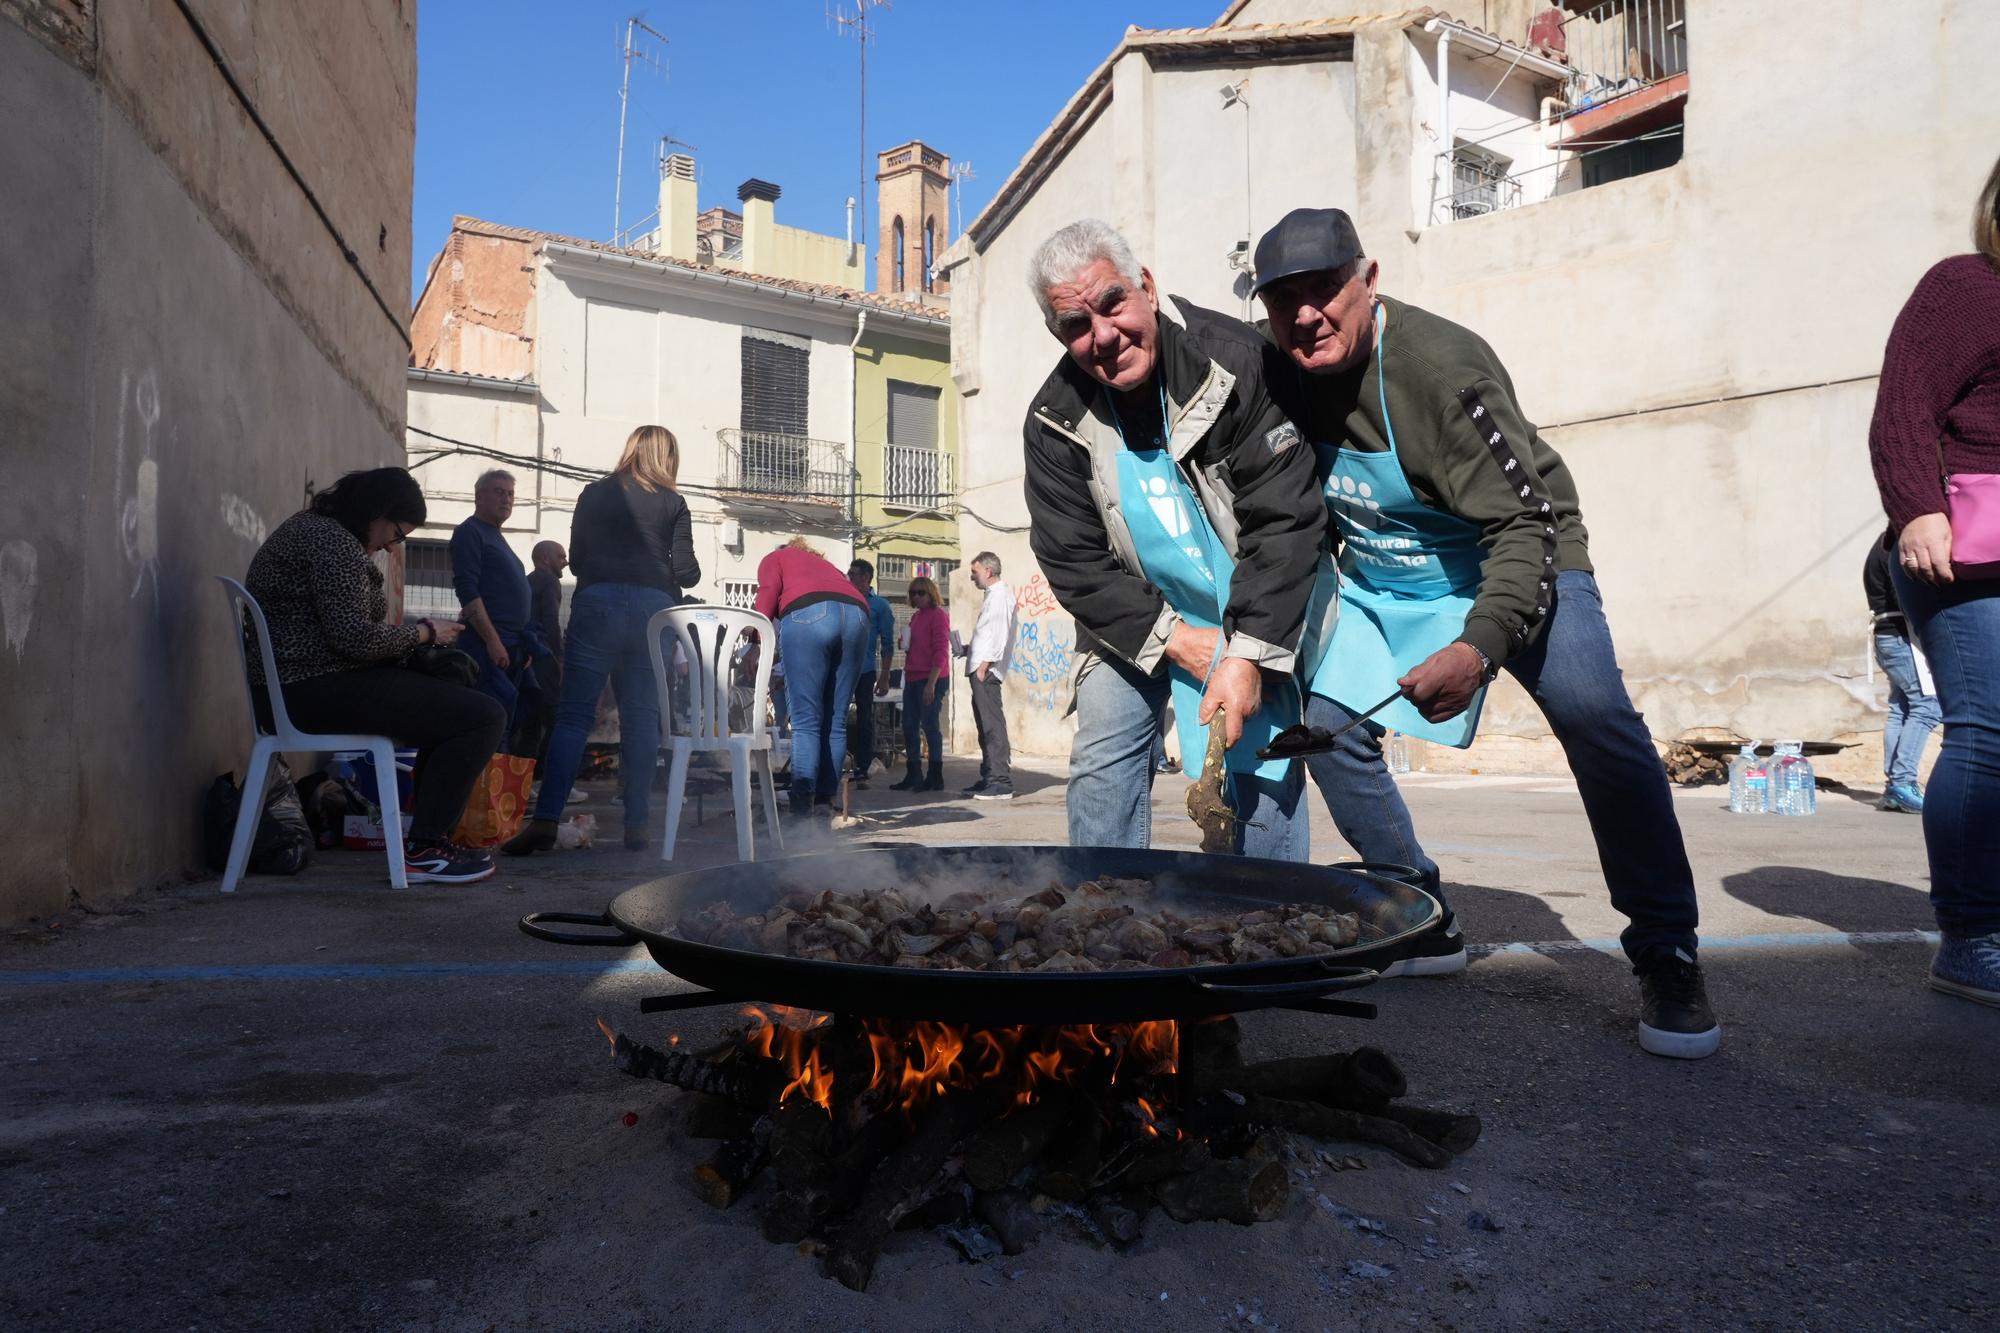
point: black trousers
(535, 722)
(455, 730)
(995, 755)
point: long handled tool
(1295, 742)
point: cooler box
(360, 832)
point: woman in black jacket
(323, 598)
(632, 548)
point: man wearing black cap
(1463, 553)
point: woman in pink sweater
(926, 671)
(823, 638)
(1935, 443)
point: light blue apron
(1182, 556)
(1408, 573)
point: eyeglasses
(399, 534)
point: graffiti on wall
(1043, 653)
(17, 593)
(139, 512)
(1035, 599)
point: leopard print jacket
(323, 599)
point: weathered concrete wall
(183, 355)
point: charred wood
(712, 1117)
(721, 1180)
(745, 1083)
(1012, 1218)
(1073, 1166)
(851, 1258)
(1360, 1080)
(998, 1151)
(1245, 1190)
(1456, 1134)
(1121, 1214)
(1330, 1122)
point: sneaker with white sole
(1968, 966)
(1437, 953)
(446, 863)
(994, 791)
(1674, 1017)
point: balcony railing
(790, 468)
(914, 477)
(1622, 46)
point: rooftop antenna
(961, 172)
(856, 25)
(633, 26)
(668, 142)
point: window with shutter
(912, 468)
(775, 399)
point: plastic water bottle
(1792, 789)
(1749, 783)
(1396, 752)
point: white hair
(1072, 250)
(989, 562)
(489, 476)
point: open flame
(911, 1064)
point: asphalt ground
(321, 1103)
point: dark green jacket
(1439, 375)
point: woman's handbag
(447, 664)
(1972, 503)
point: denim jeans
(606, 639)
(1912, 713)
(921, 723)
(1959, 627)
(1110, 804)
(825, 647)
(1572, 674)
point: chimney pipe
(760, 225)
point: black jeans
(995, 755)
(455, 729)
(861, 736)
(535, 722)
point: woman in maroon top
(823, 638)
(926, 672)
(1937, 415)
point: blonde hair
(1986, 220)
(801, 544)
(652, 458)
(924, 585)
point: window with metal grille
(427, 589)
(776, 368)
(912, 469)
(739, 593)
(1480, 183)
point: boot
(934, 780)
(802, 802)
(911, 780)
(538, 835)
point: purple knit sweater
(1940, 387)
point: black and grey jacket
(324, 600)
(1244, 461)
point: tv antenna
(633, 51)
(856, 25)
(668, 142)
(961, 172)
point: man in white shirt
(987, 658)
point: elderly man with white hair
(1177, 519)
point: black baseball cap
(1306, 240)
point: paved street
(321, 1103)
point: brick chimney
(760, 225)
(677, 207)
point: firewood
(712, 1117)
(1363, 1079)
(1329, 1122)
(1207, 799)
(1120, 1214)
(1001, 1148)
(1212, 1045)
(1163, 1160)
(851, 1257)
(1074, 1162)
(1012, 1218)
(1456, 1134)
(801, 1135)
(1246, 1190)
(747, 1083)
(948, 1207)
(721, 1180)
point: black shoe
(1674, 1017)
(636, 840)
(442, 863)
(976, 788)
(935, 782)
(994, 791)
(911, 781)
(538, 835)
(1435, 953)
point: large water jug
(1749, 783)
(1792, 789)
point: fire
(912, 1064)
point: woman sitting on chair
(631, 547)
(323, 598)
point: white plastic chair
(707, 635)
(285, 737)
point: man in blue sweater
(873, 683)
(492, 588)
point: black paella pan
(1391, 912)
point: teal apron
(1181, 555)
(1409, 575)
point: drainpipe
(854, 418)
(850, 233)
(1444, 175)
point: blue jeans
(825, 645)
(1110, 797)
(1571, 672)
(1912, 713)
(920, 721)
(1959, 627)
(606, 639)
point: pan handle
(1330, 979)
(533, 924)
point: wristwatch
(431, 635)
(1487, 671)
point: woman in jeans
(322, 596)
(631, 547)
(823, 638)
(1913, 712)
(925, 679)
(1938, 408)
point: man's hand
(881, 684)
(1925, 548)
(979, 673)
(498, 652)
(446, 632)
(1238, 686)
(1442, 685)
(1191, 649)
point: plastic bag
(283, 842)
(499, 802)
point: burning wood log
(1242, 1190)
(1363, 1079)
(746, 1083)
(801, 1134)
(1329, 1122)
(851, 1259)
(712, 1117)
(721, 1180)
(999, 1150)
(1120, 1215)
(1072, 1169)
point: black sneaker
(443, 863)
(1438, 953)
(994, 791)
(976, 788)
(1674, 1017)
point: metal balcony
(791, 469)
(917, 478)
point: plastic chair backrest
(242, 607)
(708, 636)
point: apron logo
(1168, 509)
(1280, 438)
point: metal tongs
(1295, 742)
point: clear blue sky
(517, 100)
